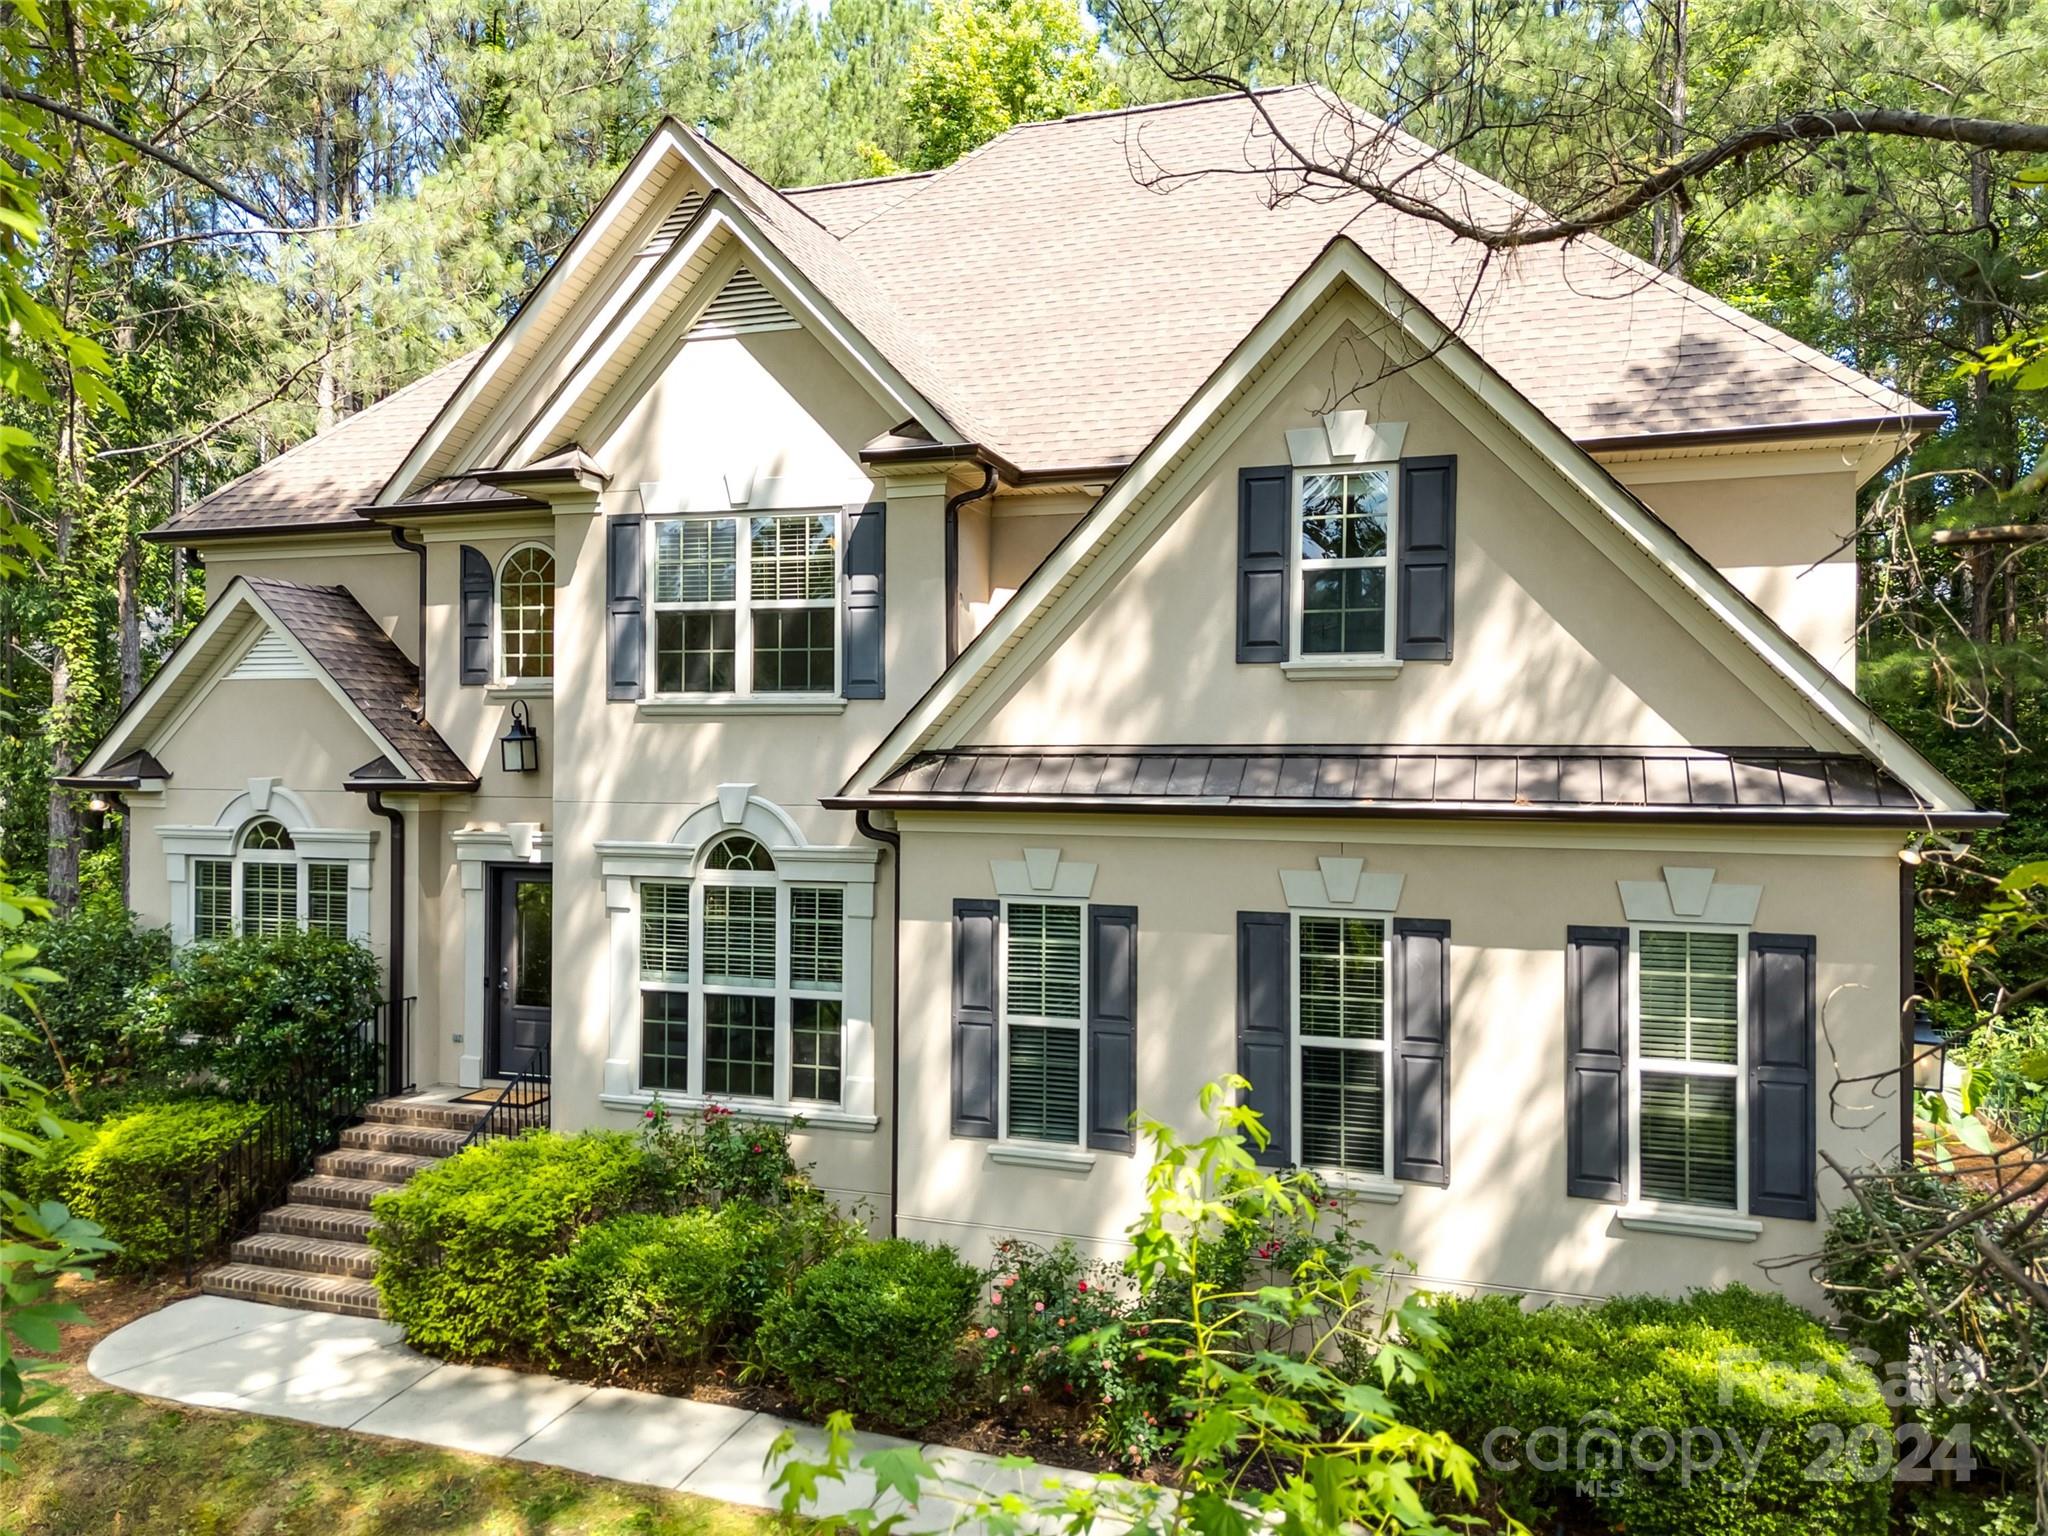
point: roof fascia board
(1343, 261)
(662, 142)
(238, 598)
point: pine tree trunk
(1667, 223)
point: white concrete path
(354, 1373)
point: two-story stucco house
(1010, 645)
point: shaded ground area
(147, 1469)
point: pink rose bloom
(1038, 1306)
(995, 1298)
(988, 1333)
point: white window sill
(1026, 1154)
(1340, 670)
(1673, 1221)
(816, 1117)
(520, 688)
(1373, 1187)
(740, 704)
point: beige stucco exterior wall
(1504, 1219)
(1786, 539)
(1554, 644)
(383, 578)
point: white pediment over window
(1341, 883)
(1042, 872)
(1688, 895)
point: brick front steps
(313, 1252)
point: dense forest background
(317, 202)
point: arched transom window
(742, 974)
(526, 614)
(269, 886)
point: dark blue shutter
(862, 620)
(977, 1056)
(477, 582)
(1112, 1027)
(1264, 958)
(1428, 533)
(1421, 1049)
(1264, 511)
(1596, 1063)
(625, 619)
(1782, 1149)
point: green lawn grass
(137, 1468)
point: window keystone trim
(1692, 897)
(1341, 883)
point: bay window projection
(1340, 1029)
(268, 887)
(1688, 1055)
(1346, 520)
(1042, 1011)
(741, 980)
(746, 605)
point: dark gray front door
(521, 983)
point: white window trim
(1373, 1186)
(1341, 665)
(742, 605)
(1670, 1216)
(508, 685)
(1028, 1149)
(312, 844)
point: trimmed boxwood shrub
(644, 1287)
(463, 1249)
(875, 1330)
(1734, 1363)
(127, 1173)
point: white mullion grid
(829, 604)
(246, 857)
(667, 982)
(1665, 1066)
(777, 991)
(699, 1024)
(1298, 1041)
(783, 1005)
(742, 634)
(1078, 1024)
(1298, 563)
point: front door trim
(476, 850)
(501, 880)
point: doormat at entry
(490, 1095)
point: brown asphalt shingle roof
(1063, 290)
(351, 648)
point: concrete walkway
(354, 1373)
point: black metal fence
(522, 1107)
(222, 1200)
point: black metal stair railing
(522, 1107)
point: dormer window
(526, 615)
(1345, 518)
(746, 605)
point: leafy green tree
(987, 65)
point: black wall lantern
(519, 747)
(1930, 1052)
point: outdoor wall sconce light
(1930, 1052)
(519, 747)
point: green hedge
(127, 1173)
(875, 1330)
(644, 1287)
(463, 1249)
(1717, 1369)
(104, 960)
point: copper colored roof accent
(1676, 783)
(350, 647)
(129, 772)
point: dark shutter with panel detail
(860, 668)
(625, 622)
(1427, 563)
(976, 1054)
(1112, 1027)
(1596, 1063)
(1264, 955)
(476, 617)
(1782, 1150)
(1420, 1045)
(1263, 514)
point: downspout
(398, 1046)
(420, 634)
(893, 841)
(1908, 999)
(953, 506)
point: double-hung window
(1345, 519)
(741, 975)
(1688, 1052)
(1340, 1042)
(746, 605)
(269, 886)
(1043, 1006)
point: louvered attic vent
(270, 657)
(743, 305)
(672, 227)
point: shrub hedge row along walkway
(355, 1373)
